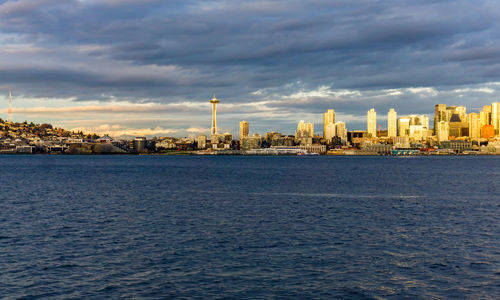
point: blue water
(249, 227)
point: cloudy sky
(149, 67)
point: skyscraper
(214, 102)
(310, 129)
(474, 126)
(440, 114)
(495, 116)
(485, 115)
(392, 123)
(424, 121)
(243, 129)
(341, 131)
(371, 122)
(462, 113)
(304, 133)
(442, 131)
(328, 118)
(329, 131)
(404, 126)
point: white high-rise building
(495, 116)
(424, 120)
(329, 131)
(443, 130)
(462, 113)
(304, 133)
(371, 123)
(304, 129)
(404, 126)
(328, 118)
(474, 126)
(392, 123)
(341, 131)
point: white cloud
(475, 90)
(423, 91)
(197, 130)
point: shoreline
(241, 154)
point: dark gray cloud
(171, 51)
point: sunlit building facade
(329, 131)
(243, 129)
(474, 126)
(328, 118)
(392, 123)
(304, 133)
(404, 126)
(495, 116)
(341, 131)
(371, 123)
(485, 117)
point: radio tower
(9, 111)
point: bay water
(154, 227)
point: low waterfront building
(315, 148)
(377, 149)
(457, 145)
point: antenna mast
(10, 105)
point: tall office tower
(462, 113)
(329, 131)
(214, 102)
(310, 129)
(439, 115)
(10, 106)
(371, 122)
(304, 130)
(442, 131)
(301, 127)
(392, 123)
(404, 126)
(474, 126)
(485, 115)
(243, 129)
(495, 116)
(328, 118)
(341, 131)
(424, 121)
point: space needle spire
(9, 111)
(214, 102)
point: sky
(150, 67)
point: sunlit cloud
(116, 130)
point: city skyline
(373, 123)
(76, 65)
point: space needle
(214, 102)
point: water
(249, 227)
